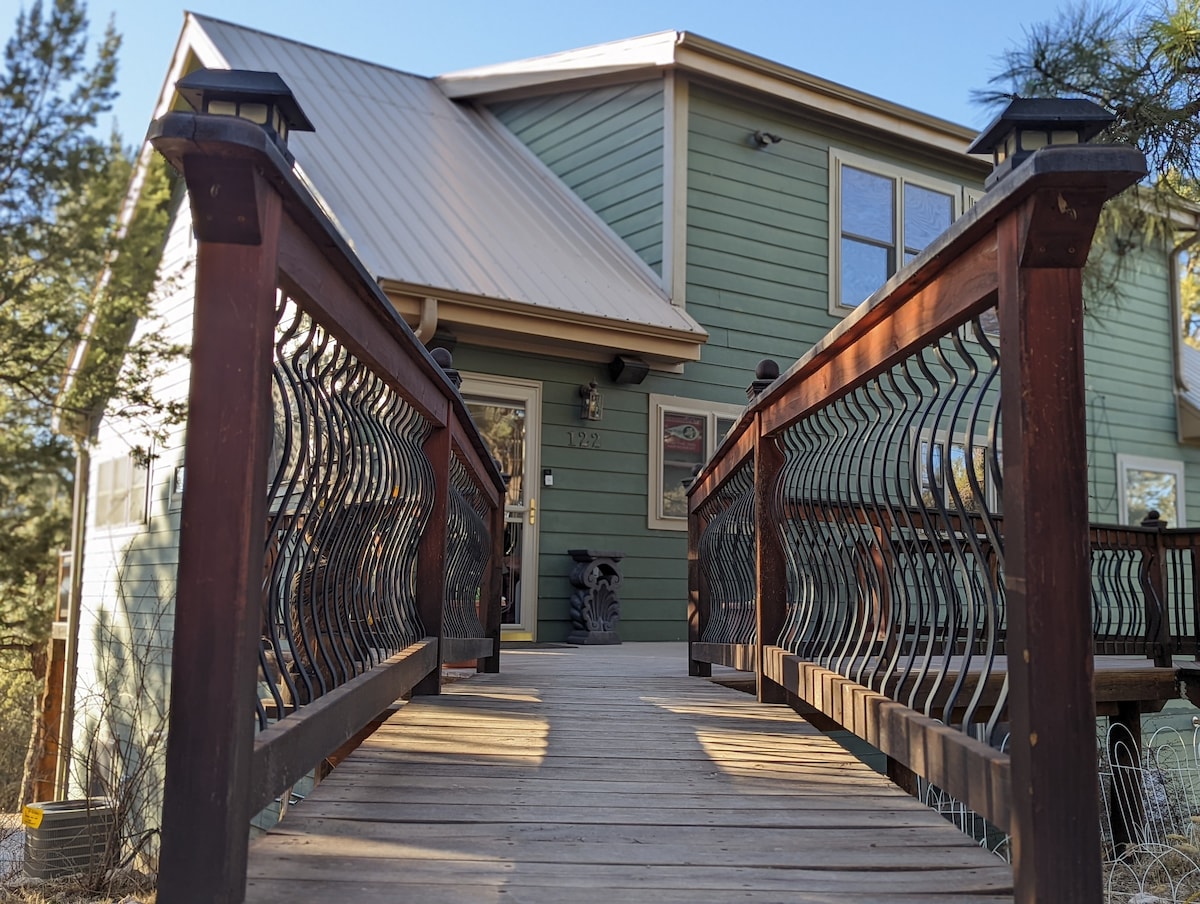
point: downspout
(83, 462)
(428, 323)
(1173, 261)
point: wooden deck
(605, 774)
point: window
(120, 492)
(683, 434)
(881, 217)
(1146, 484)
(931, 473)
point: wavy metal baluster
(468, 551)
(349, 495)
(726, 552)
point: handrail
(888, 586)
(340, 512)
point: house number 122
(582, 439)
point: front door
(508, 415)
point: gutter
(428, 323)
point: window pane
(868, 205)
(502, 425)
(1146, 490)
(684, 441)
(927, 215)
(864, 269)
(724, 425)
(137, 493)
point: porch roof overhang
(517, 326)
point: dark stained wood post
(493, 589)
(431, 558)
(1127, 797)
(698, 603)
(770, 567)
(218, 608)
(1154, 582)
(1194, 558)
(1041, 247)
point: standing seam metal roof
(435, 193)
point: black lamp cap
(1060, 113)
(243, 85)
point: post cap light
(260, 97)
(1030, 123)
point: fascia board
(515, 317)
(700, 56)
(631, 56)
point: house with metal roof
(609, 240)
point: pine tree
(1142, 64)
(71, 264)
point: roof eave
(665, 344)
(650, 55)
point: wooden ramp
(606, 775)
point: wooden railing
(855, 509)
(341, 515)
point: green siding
(599, 495)
(1130, 383)
(757, 280)
(606, 144)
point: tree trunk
(37, 781)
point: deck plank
(605, 773)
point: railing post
(218, 606)
(492, 590)
(1041, 247)
(1154, 585)
(1193, 555)
(698, 602)
(431, 557)
(770, 567)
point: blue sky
(928, 54)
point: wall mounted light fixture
(593, 403)
(763, 139)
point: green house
(609, 240)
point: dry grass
(119, 887)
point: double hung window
(120, 492)
(881, 217)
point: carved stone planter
(595, 606)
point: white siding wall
(127, 604)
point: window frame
(961, 199)
(991, 496)
(659, 405)
(124, 468)
(1126, 463)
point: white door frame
(528, 392)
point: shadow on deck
(603, 774)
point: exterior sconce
(763, 139)
(593, 403)
(260, 97)
(1030, 123)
